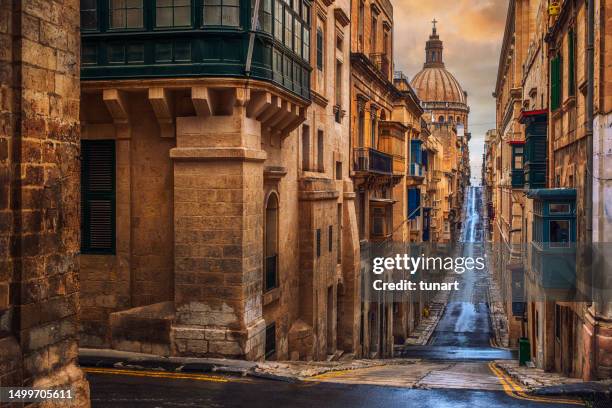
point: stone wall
(39, 196)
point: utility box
(524, 351)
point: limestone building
(446, 113)
(218, 212)
(374, 141)
(39, 200)
(548, 160)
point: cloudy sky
(472, 32)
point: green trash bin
(524, 351)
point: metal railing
(372, 160)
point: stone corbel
(160, 102)
(297, 121)
(114, 100)
(258, 104)
(275, 120)
(201, 101)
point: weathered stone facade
(235, 224)
(39, 197)
(544, 89)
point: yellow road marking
(329, 374)
(157, 374)
(514, 390)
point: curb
(137, 361)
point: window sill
(271, 296)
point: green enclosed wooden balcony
(131, 39)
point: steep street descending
(454, 370)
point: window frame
(222, 6)
(173, 7)
(96, 11)
(142, 9)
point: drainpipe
(588, 190)
(254, 24)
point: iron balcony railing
(372, 160)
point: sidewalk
(534, 378)
(290, 371)
(422, 333)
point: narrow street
(454, 370)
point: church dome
(434, 83)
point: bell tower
(433, 49)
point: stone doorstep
(288, 371)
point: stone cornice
(217, 153)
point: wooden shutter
(555, 82)
(98, 196)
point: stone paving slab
(534, 378)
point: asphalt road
(135, 392)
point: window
(559, 208)
(571, 57)
(320, 151)
(360, 25)
(330, 236)
(318, 243)
(373, 129)
(414, 202)
(270, 340)
(361, 128)
(378, 221)
(221, 13)
(288, 28)
(173, 13)
(339, 235)
(121, 53)
(89, 54)
(126, 14)
(517, 157)
(338, 84)
(278, 20)
(555, 82)
(271, 243)
(373, 34)
(265, 15)
(320, 49)
(559, 233)
(89, 15)
(441, 119)
(305, 148)
(306, 44)
(338, 170)
(98, 196)
(297, 32)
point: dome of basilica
(434, 83)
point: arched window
(441, 119)
(450, 119)
(458, 119)
(271, 243)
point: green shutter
(98, 196)
(555, 82)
